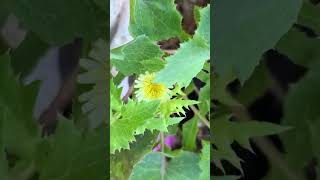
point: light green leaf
(158, 124)
(182, 167)
(138, 56)
(133, 115)
(175, 106)
(204, 163)
(157, 19)
(189, 59)
(190, 131)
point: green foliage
(157, 19)
(183, 167)
(133, 115)
(243, 30)
(95, 100)
(137, 57)
(134, 118)
(195, 51)
(58, 22)
(82, 153)
(226, 132)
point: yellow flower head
(148, 90)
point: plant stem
(197, 113)
(163, 164)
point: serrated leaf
(137, 57)
(157, 19)
(158, 124)
(95, 101)
(182, 167)
(189, 59)
(83, 155)
(175, 106)
(244, 30)
(133, 115)
(226, 132)
(121, 163)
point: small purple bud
(169, 141)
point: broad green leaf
(204, 163)
(74, 155)
(157, 19)
(95, 101)
(59, 21)
(182, 167)
(137, 57)
(189, 59)
(133, 115)
(226, 132)
(244, 30)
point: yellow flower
(148, 90)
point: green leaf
(157, 19)
(299, 48)
(175, 106)
(309, 16)
(16, 107)
(190, 131)
(59, 22)
(95, 101)
(115, 97)
(133, 116)
(122, 162)
(73, 155)
(204, 163)
(189, 59)
(182, 167)
(244, 30)
(158, 124)
(226, 132)
(301, 112)
(137, 57)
